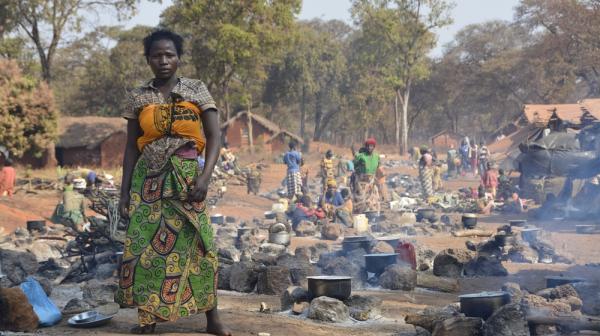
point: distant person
(514, 205)
(426, 174)
(465, 155)
(490, 179)
(505, 188)
(366, 163)
(451, 157)
(304, 211)
(474, 158)
(8, 177)
(484, 156)
(331, 200)
(71, 212)
(327, 170)
(293, 160)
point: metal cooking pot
(352, 243)
(482, 304)
(530, 234)
(335, 286)
(270, 215)
(504, 239)
(376, 263)
(241, 231)
(518, 222)
(372, 216)
(555, 281)
(36, 225)
(217, 219)
(281, 238)
(469, 221)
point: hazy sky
(466, 12)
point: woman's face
(163, 59)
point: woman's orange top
(178, 119)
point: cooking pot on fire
(335, 286)
(482, 304)
(351, 243)
(376, 263)
(469, 221)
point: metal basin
(530, 234)
(518, 222)
(281, 238)
(217, 219)
(376, 263)
(352, 243)
(482, 304)
(335, 286)
(89, 319)
(392, 241)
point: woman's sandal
(142, 330)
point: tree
(35, 17)
(396, 38)
(27, 113)
(232, 40)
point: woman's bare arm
(212, 131)
(129, 160)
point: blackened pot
(482, 304)
(337, 287)
(36, 225)
(504, 239)
(469, 221)
(518, 222)
(352, 243)
(376, 263)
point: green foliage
(27, 113)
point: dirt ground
(241, 311)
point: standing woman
(169, 267)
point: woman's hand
(124, 206)
(200, 190)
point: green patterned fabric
(169, 264)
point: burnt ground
(241, 311)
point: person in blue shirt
(293, 160)
(331, 200)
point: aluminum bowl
(280, 238)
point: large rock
(76, 306)
(303, 252)
(343, 266)
(537, 305)
(16, 314)
(106, 271)
(459, 326)
(382, 247)
(243, 277)
(332, 231)
(430, 316)
(273, 280)
(514, 290)
(451, 262)
(97, 293)
(294, 294)
(398, 277)
(509, 320)
(328, 309)
(229, 253)
(273, 249)
(306, 229)
(224, 277)
(522, 253)
(266, 259)
(485, 266)
(363, 308)
(17, 266)
(317, 249)
(44, 251)
(299, 268)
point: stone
(332, 231)
(514, 290)
(357, 257)
(16, 314)
(306, 229)
(328, 309)
(430, 316)
(303, 253)
(382, 247)
(574, 302)
(299, 268)
(534, 304)
(43, 251)
(97, 293)
(224, 277)
(261, 258)
(17, 266)
(451, 262)
(229, 253)
(522, 253)
(243, 278)
(343, 266)
(363, 308)
(76, 306)
(590, 295)
(250, 240)
(459, 326)
(45, 283)
(421, 332)
(273, 249)
(108, 309)
(485, 266)
(105, 271)
(398, 277)
(273, 280)
(545, 330)
(563, 291)
(317, 249)
(300, 307)
(294, 294)
(508, 320)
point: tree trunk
(303, 114)
(318, 117)
(226, 100)
(397, 119)
(250, 133)
(404, 97)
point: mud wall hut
(91, 141)
(279, 142)
(445, 139)
(237, 130)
